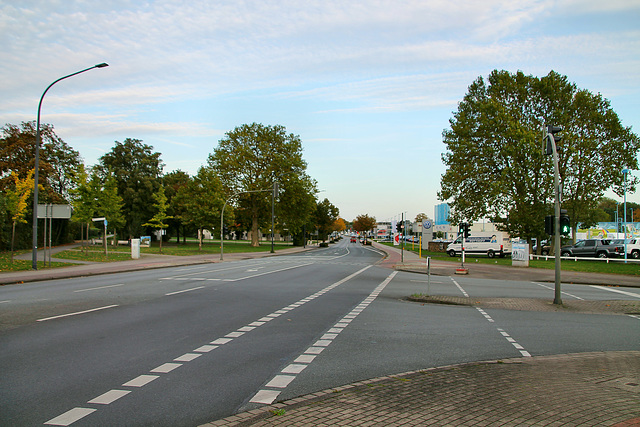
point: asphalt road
(184, 346)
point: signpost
(104, 237)
(51, 211)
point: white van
(492, 244)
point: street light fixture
(34, 257)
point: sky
(368, 85)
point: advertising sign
(427, 233)
(520, 254)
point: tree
(173, 182)
(326, 214)
(296, 205)
(201, 201)
(250, 159)
(137, 171)
(339, 225)
(364, 223)
(494, 159)
(158, 220)
(110, 205)
(57, 159)
(17, 201)
(83, 197)
(421, 217)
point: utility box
(135, 248)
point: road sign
(54, 211)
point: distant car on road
(353, 239)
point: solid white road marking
(109, 397)
(70, 417)
(77, 313)
(605, 288)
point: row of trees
(496, 168)
(129, 189)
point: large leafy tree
(494, 159)
(57, 159)
(137, 170)
(250, 159)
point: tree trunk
(13, 236)
(254, 230)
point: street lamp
(34, 257)
(625, 171)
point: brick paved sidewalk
(587, 389)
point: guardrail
(581, 258)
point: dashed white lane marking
(109, 397)
(75, 414)
(183, 291)
(140, 381)
(77, 313)
(490, 319)
(188, 357)
(70, 417)
(166, 368)
(267, 396)
(460, 288)
(100, 287)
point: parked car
(595, 248)
(633, 247)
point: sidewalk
(587, 389)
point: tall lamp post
(34, 257)
(625, 171)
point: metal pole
(34, 252)
(625, 213)
(556, 183)
(50, 228)
(273, 204)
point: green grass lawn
(123, 253)
(23, 265)
(613, 267)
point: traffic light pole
(556, 223)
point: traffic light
(552, 132)
(467, 230)
(461, 228)
(225, 230)
(399, 227)
(565, 224)
(549, 226)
